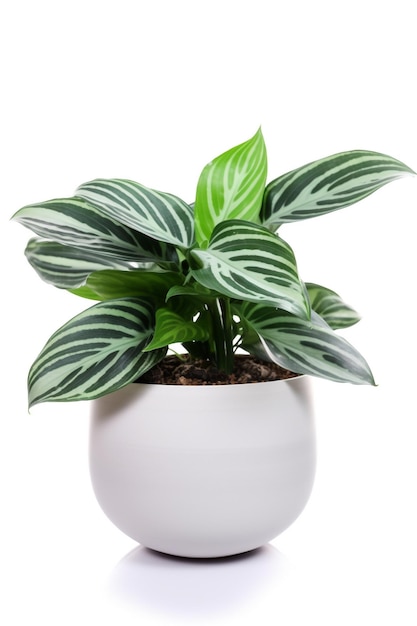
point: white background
(153, 91)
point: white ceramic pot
(204, 471)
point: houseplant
(214, 277)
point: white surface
(152, 91)
(224, 471)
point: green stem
(222, 325)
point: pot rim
(222, 385)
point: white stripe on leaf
(231, 187)
(162, 216)
(302, 346)
(96, 352)
(328, 184)
(247, 262)
(74, 222)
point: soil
(248, 369)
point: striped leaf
(170, 328)
(159, 215)
(67, 267)
(327, 185)
(95, 353)
(73, 222)
(247, 262)
(304, 347)
(140, 283)
(329, 305)
(231, 187)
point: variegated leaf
(95, 353)
(327, 185)
(231, 187)
(329, 305)
(73, 222)
(162, 216)
(67, 267)
(305, 347)
(247, 262)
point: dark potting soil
(247, 369)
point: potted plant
(198, 466)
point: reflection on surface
(194, 587)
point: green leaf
(159, 215)
(172, 328)
(73, 222)
(231, 187)
(67, 267)
(85, 292)
(329, 305)
(327, 185)
(95, 353)
(192, 289)
(148, 283)
(304, 347)
(247, 262)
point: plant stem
(222, 325)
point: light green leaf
(329, 305)
(67, 267)
(172, 328)
(73, 222)
(328, 184)
(95, 353)
(159, 215)
(247, 262)
(231, 187)
(302, 346)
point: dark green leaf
(97, 352)
(245, 261)
(67, 267)
(74, 222)
(302, 346)
(328, 184)
(329, 305)
(150, 284)
(159, 215)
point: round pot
(203, 471)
